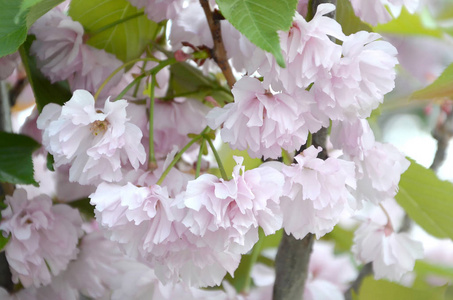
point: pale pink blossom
(96, 142)
(379, 173)
(375, 11)
(58, 45)
(392, 254)
(316, 194)
(147, 225)
(352, 137)
(8, 64)
(159, 10)
(307, 49)
(227, 213)
(174, 120)
(262, 122)
(95, 66)
(43, 237)
(328, 275)
(358, 82)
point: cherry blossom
(43, 237)
(393, 254)
(96, 142)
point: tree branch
(219, 53)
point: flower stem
(309, 140)
(200, 155)
(253, 258)
(119, 69)
(217, 158)
(152, 165)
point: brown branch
(443, 132)
(219, 53)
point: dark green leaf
(259, 21)
(3, 241)
(130, 35)
(427, 200)
(16, 164)
(12, 33)
(44, 91)
(49, 162)
(84, 206)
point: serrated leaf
(259, 21)
(350, 23)
(128, 39)
(16, 164)
(380, 289)
(427, 200)
(441, 87)
(44, 91)
(409, 24)
(12, 32)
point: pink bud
(181, 56)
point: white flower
(393, 254)
(96, 142)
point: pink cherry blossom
(147, 225)
(358, 82)
(316, 194)
(354, 138)
(393, 254)
(96, 142)
(307, 49)
(174, 120)
(159, 10)
(228, 213)
(262, 122)
(96, 65)
(43, 239)
(58, 45)
(375, 11)
(379, 173)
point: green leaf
(410, 24)
(190, 82)
(3, 241)
(16, 165)
(84, 206)
(427, 200)
(425, 268)
(39, 9)
(380, 289)
(115, 26)
(259, 21)
(49, 162)
(343, 238)
(441, 87)
(350, 23)
(12, 33)
(44, 91)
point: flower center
(99, 127)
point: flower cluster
(164, 224)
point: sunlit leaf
(427, 200)
(381, 289)
(127, 39)
(350, 23)
(12, 32)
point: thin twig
(219, 53)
